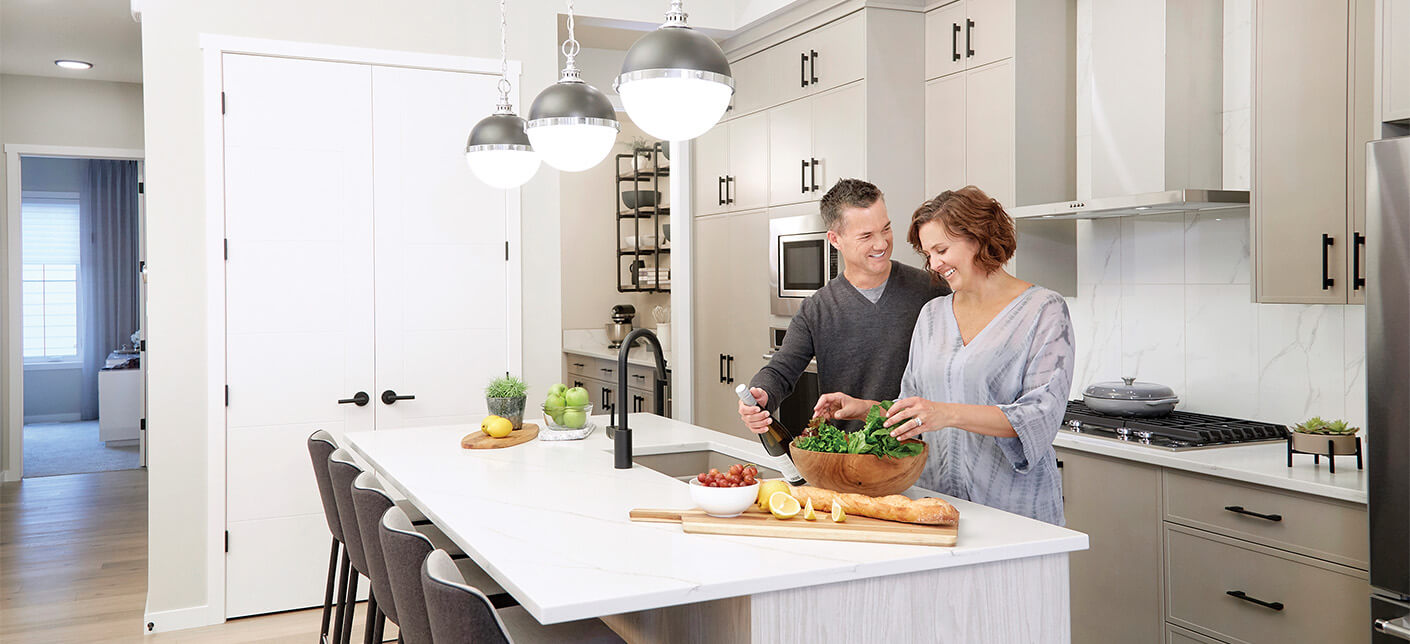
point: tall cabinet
(366, 289)
(834, 95)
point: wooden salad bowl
(860, 473)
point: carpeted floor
(51, 449)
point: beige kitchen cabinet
(815, 141)
(944, 40)
(1117, 503)
(732, 318)
(989, 130)
(754, 85)
(1311, 118)
(815, 61)
(968, 34)
(1176, 635)
(730, 173)
(1395, 60)
(944, 134)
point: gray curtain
(107, 282)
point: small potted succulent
(1315, 436)
(505, 396)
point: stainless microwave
(801, 261)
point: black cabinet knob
(390, 397)
(360, 398)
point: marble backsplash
(1168, 299)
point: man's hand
(756, 418)
(840, 406)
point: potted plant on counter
(1324, 438)
(505, 397)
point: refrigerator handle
(1393, 627)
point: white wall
(55, 111)
(1168, 298)
(178, 586)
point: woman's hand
(910, 417)
(840, 406)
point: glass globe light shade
(499, 153)
(572, 125)
(675, 82)
(573, 148)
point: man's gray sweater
(861, 347)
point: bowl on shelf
(724, 501)
(867, 474)
(641, 198)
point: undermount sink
(684, 465)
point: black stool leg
(378, 635)
(328, 592)
(342, 607)
(351, 605)
(373, 615)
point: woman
(990, 365)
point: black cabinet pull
(729, 189)
(606, 399)
(390, 397)
(1239, 509)
(813, 66)
(968, 37)
(1254, 600)
(360, 398)
(579, 365)
(1357, 241)
(720, 191)
(1327, 280)
(729, 369)
(803, 176)
(722, 367)
(955, 43)
(606, 371)
(814, 172)
(803, 71)
(577, 383)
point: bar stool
(320, 445)
(370, 502)
(342, 471)
(458, 612)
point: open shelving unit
(642, 171)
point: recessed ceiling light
(74, 64)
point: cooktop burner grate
(1179, 430)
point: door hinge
(227, 395)
(142, 423)
(227, 541)
(506, 251)
(142, 346)
(227, 248)
(222, 102)
(141, 187)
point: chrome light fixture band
(698, 74)
(574, 120)
(492, 147)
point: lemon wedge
(767, 489)
(783, 505)
(838, 516)
(808, 513)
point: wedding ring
(919, 422)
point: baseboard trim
(126, 442)
(5, 477)
(181, 619)
(53, 418)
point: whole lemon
(767, 489)
(496, 426)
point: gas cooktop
(1181, 430)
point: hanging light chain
(504, 105)
(570, 49)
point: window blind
(50, 256)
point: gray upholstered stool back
(342, 471)
(457, 612)
(404, 549)
(320, 445)
(371, 502)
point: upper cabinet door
(989, 29)
(790, 152)
(989, 130)
(944, 134)
(1300, 151)
(1395, 57)
(747, 184)
(754, 85)
(839, 138)
(944, 40)
(837, 53)
(711, 166)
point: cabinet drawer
(578, 365)
(643, 378)
(1176, 635)
(1312, 600)
(1322, 528)
(604, 370)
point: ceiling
(34, 33)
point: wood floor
(73, 568)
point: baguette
(930, 511)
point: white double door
(362, 258)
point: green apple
(557, 390)
(553, 407)
(574, 418)
(576, 397)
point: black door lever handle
(360, 398)
(390, 397)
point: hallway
(53, 449)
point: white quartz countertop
(1264, 464)
(593, 343)
(549, 521)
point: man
(858, 327)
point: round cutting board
(480, 440)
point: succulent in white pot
(1318, 436)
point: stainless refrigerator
(1388, 384)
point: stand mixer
(620, 326)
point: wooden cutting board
(480, 440)
(754, 523)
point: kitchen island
(549, 521)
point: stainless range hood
(1149, 203)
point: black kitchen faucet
(622, 440)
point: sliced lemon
(783, 505)
(838, 516)
(767, 489)
(808, 513)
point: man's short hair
(847, 193)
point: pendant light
(571, 124)
(498, 151)
(675, 81)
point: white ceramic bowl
(724, 501)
